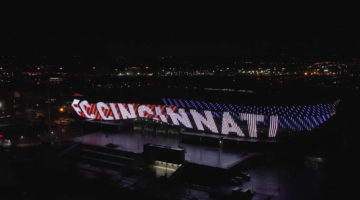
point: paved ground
(203, 155)
(286, 182)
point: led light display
(294, 117)
(222, 119)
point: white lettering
(229, 125)
(125, 113)
(252, 119)
(181, 117)
(100, 106)
(114, 110)
(160, 114)
(200, 120)
(83, 106)
(142, 109)
(274, 120)
(76, 106)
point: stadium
(215, 118)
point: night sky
(261, 32)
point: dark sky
(234, 33)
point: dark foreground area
(39, 174)
(42, 173)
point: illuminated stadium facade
(214, 118)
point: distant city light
(61, 109)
